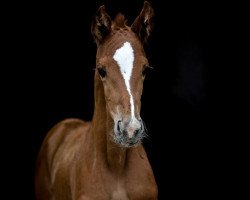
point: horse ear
(101, 25)
(143, 23)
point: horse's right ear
(101, 25)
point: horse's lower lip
(131, 144)
(124, 141)
(128, 144)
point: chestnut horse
(104, 159)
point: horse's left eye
(146, 70)
(101, 72)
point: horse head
(121, 65)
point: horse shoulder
(57, 154)
(63, 139)
(140, 178)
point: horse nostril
(140, 129)
(119, 126)
(136, 132)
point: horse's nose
(130, 128)
(119, 126)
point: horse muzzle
(129, 132)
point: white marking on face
(124, 56)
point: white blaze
(124, 56)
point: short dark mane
(120, 21)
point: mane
(120, 21)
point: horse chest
(110, 188)
(119, 193)
(131, 187)
(123, 192)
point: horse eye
(102, 72)
(146, 70)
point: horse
(105, 158)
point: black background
(182, 102)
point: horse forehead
(126, 51)
(115, 42)
(123, 47)
(118, 38)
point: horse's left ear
(101, 25)
(143, 24)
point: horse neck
(106, 150)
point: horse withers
(104, 159)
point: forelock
(120, 21)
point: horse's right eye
(101, 72)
